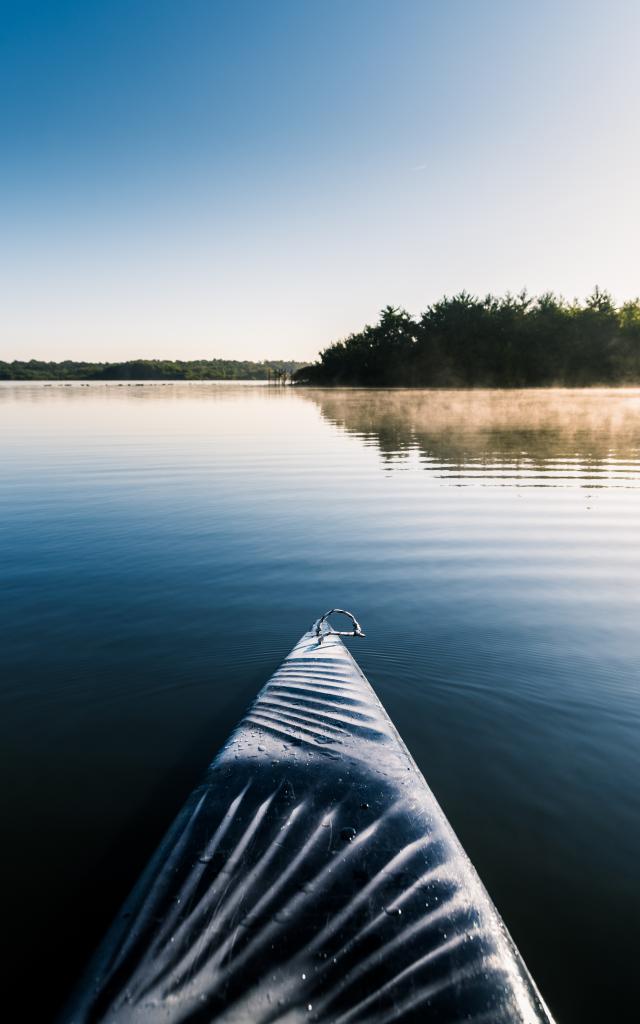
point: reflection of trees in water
(528, 429)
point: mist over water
(529, 432)
(162, 547)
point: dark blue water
(163, 547)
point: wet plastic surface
(311, 877)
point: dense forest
(513, 341)
(148, 369)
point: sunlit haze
(255, 180)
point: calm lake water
(162, 547)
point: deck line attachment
(321, 630)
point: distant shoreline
(299, 385)
(149, 370)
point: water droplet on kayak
(260, 747)
(364, 807)
(348, 834)
(393, 911)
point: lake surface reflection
(162, 548)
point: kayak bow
(312, 876)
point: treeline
(513, 341)
(147, 369)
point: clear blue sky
(190, 178)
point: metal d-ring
(320, 633)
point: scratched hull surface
(311, 877)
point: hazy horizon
(250, 181)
